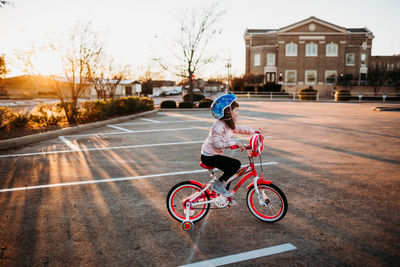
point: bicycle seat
(205, 166)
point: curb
(184, 109)
(29, 139)
(386, 108)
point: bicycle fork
(262, 197)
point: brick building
(311, 52)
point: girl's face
(235, 113)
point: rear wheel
(274, 204)
(179, 195)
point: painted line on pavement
(141, 131)
(143, 123)
(150, 120)
(107, 148)
(119, 128)
(254, 254)
(69, 143)
(113, 179)
(99, 148)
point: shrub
(42, 117)
(132, 103)
(308, 94)
(342, 95)
(168, 104)
(5, 114)
(185, 104)
(196, 97)
(95, 110)
(18, 121)
(205, 103)
(145, 104)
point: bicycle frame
(247, 172)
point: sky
(135, 31)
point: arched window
(311, 50)
(332, 50)
(291, 50)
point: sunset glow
(135, 31)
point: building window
(331, 50)
(311, 50)
(270, 59)
(291, 50)
(311, 76)
(290, 76)
(330, 76)
(350, 59)
(257, 59)
(363, 59)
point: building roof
(129, 82)
(260, 30)
(305, 21)
(358, 30)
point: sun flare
(47, 63)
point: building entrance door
(270, 78)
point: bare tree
(80, 54)
(190, 50)
(80, 51)
(377, 75)
(5, 2)
(3, 70)
(114, 76)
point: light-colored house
(124, 88)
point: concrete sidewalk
(29, 139)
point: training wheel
(187, 226)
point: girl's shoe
(220, 188)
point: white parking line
(143, 123)
(119, 128)
(106, 148)
(99, 148)
(244, 256)
(142, 131)
(150, 120)
(69, 143)
(112, 179)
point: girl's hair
(227, 118)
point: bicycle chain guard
(221, 202)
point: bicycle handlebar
(236, 147)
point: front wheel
(179, 195)
(273, 205)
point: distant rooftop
(260, 30)
(357, 30)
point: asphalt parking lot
(97, 198)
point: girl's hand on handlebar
(241, 146)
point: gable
(312, 25)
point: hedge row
(204, 103)
(308, 94)
(102, 109)
(45, 115)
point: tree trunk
(190, 86)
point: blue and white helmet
(220, 104)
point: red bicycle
(189, 201)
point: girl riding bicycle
(226, 110)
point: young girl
(226, 110)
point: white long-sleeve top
(219, 138)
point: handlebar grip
(234, 147)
